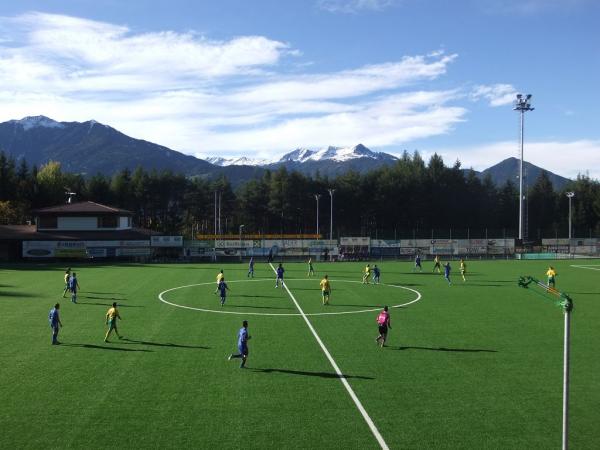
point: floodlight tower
(331, 191)
(522, 104)
(317, 197)
(570, 195)
(241, 246)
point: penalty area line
(339, 373)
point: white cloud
(66, 54)
(195, 94)
(528, 7)
(496, 94)
(566, 158)
(354, 6)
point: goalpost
(565, 302)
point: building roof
(86, 208)
(29, 233)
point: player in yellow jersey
(366, 275)
(463, 269)
(551, 274)
(325, 290)
(436, 264)
(220, 276)
(67, 278)
(111, 320)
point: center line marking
(339, 373)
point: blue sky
(260, 78)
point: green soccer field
(472, 365)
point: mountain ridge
(91, 147)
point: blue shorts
(243, 349)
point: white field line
(162, 299)
(339, 373)
(588, 267)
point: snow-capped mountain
(338, 154)
(240, 161)
(303, 155)
(327, 161)
(37, 121)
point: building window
(47, 222)
(107, 222)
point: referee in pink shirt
(383, 322)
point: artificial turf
(472, 365)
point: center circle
(161, 297)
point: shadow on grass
(105, 347)
(108, 304)
(161, 344)
(312, 374)
(444, 349)
(104, 293)
(103, 298)
(258, 307)
(15, 294)
(358, 306)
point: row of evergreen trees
(409, 198)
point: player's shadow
(445, 349)
(104, 293)
(14, 294)
(259, 307)
(313, 374)
(161, 344)
(358, 306)
(108, 304)
(106, 347)
(103, 298)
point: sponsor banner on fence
(54, 249)
(96, 252)
(166, 241)
(355, 241)
(133, 252)
(136, 243)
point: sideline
(341, 376)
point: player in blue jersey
(418, 263)
(251, 267)
(242, 344)
(55, 323)
(447, 272)
(376, 274)
(280, 271)
(223, 288)
(73, 287)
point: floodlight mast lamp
(522, 104)
(570, 195)
(331, 191)
(241, 246)
(317, 197)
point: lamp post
(570, 195)
(241, 229)
(331, 191)
(317, 197)
(522, 104)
